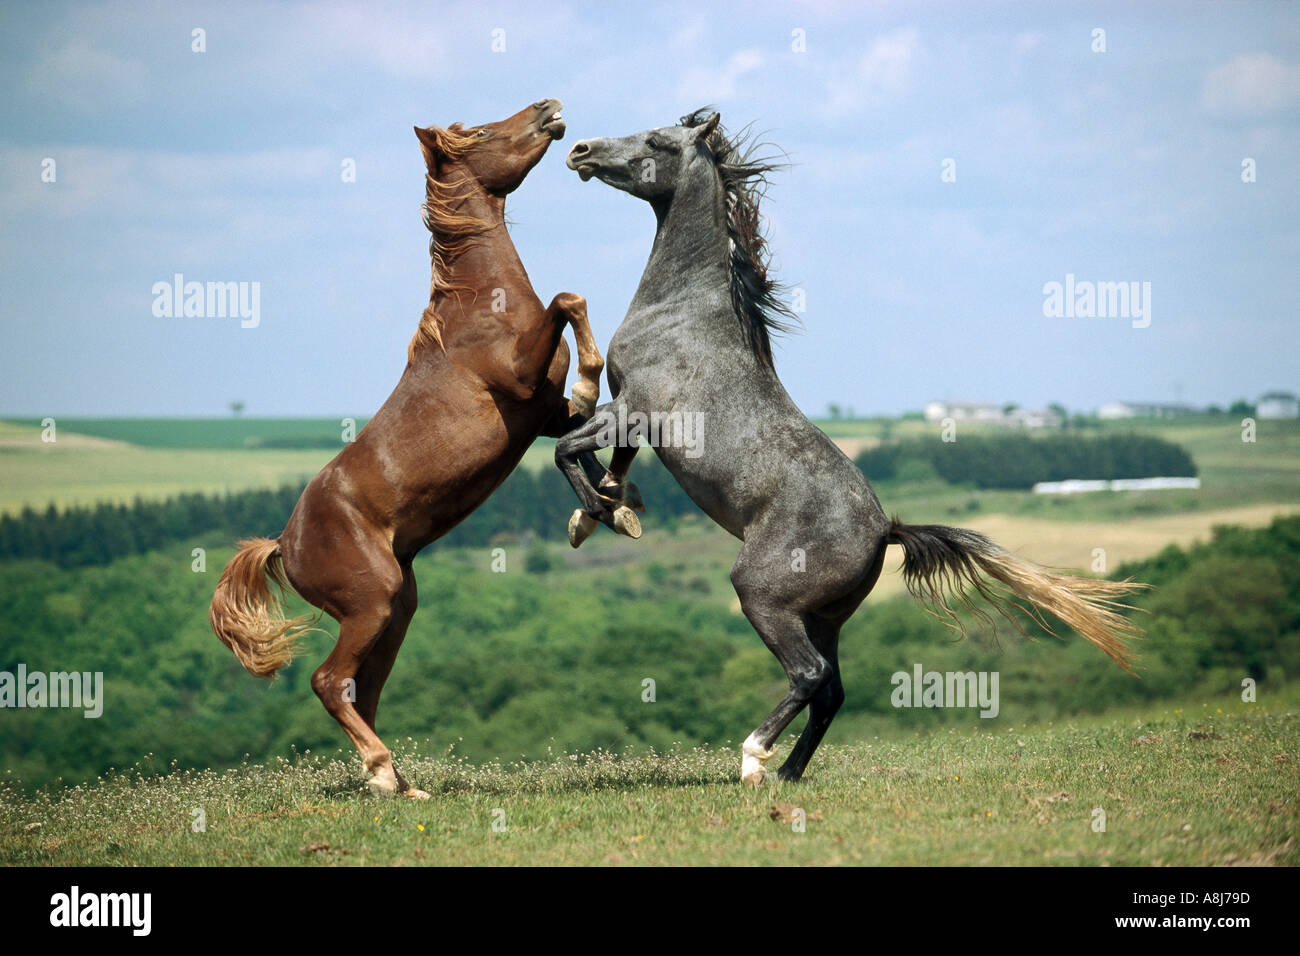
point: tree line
(527, 504)
(538, 504)
(1020, 461)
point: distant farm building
(1146, 410)
(990, 414)
(1277, 405)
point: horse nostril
(580, 149)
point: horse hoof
(584, 399)
(753, 756)
(381, 788)
(632, 497)
(415, 793)
(626, 522)
(581, 525)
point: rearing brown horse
(484, 377)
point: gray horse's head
(649, 164)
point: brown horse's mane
(450, 231)
(755, 294)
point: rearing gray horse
(691, 373)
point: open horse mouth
(553, 125)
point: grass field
(1205, 783)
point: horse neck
(691, 246)
(488, 261)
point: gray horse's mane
(755, 295)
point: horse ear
(708, 126)
(429, 144)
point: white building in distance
(988, 413)
(1277, 405)
(1146, 410)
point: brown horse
(484, 377)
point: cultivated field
(80, 469)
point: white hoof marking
(753, 756)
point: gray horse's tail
(942, 566)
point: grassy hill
(1202, 783)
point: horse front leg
(572, 308)
(615, 484)
(611, 483)
(573, 455)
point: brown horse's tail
(246, 614)
(940, 563)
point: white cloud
(880, 75)
(95, 181)
(82, 76)
(1025, 42)
(1255, 84)
(406, 43)
(720, 83)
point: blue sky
(225, 166)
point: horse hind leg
(785, 632)
(363, 622)
(373, 673)
(825, 634)
(822, 707)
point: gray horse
(691, 373)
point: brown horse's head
(498, 155)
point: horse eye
(481, 133)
